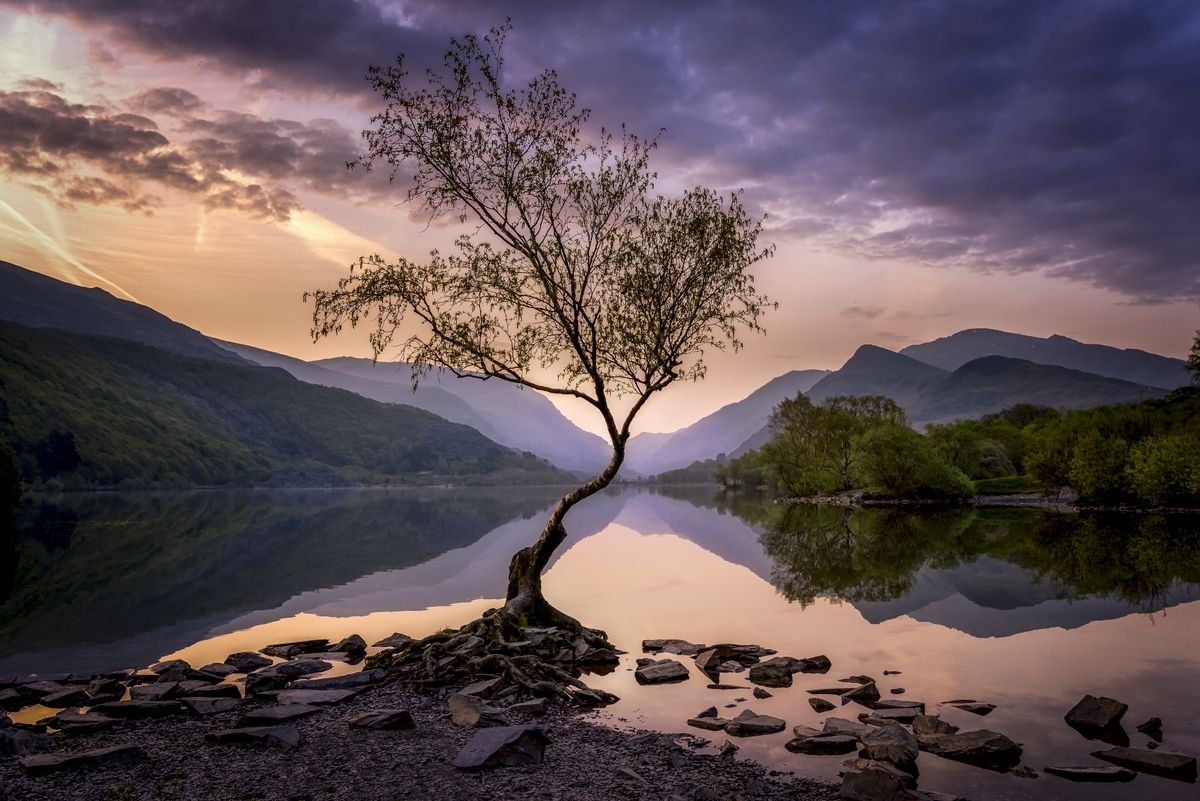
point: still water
(1022, 608)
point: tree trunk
(525, 600)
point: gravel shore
(583, 761)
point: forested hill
(90, 411)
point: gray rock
(981, 748)
(210, 706)
(353, 644)
(708, 660)
(137, 710)
(1088, 773)
(114, 756)
(247, 661)
(72, 721)
(680, 647)
(709, 723)
(505, 746)
(1024, 772)
(205, 677)
(897, 691)
(892, 744)
(823, 744)
(1158, 763)
(383, 719)
(284, 738)
(287, 650)
(175, 674)
(884, 717)
(866, 694)
(843, 726)
(820, 704)
(751, 724)
(470, 711)
(774, 672)
(868, 780)
(393, 641)
(71, 696)
(273, 715)
(931, 725)
(314, 697)
(661, 671)
(347, 681)
(1094, 713)
(976, 708)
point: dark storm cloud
(1048, 135)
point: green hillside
(144, 417)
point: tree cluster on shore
(1145, 454)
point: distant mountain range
(963, 375)
(1138, 366)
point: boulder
(661, 671)
(774, 672)
(975, 708)
(209, 706)
(287, 650)
(72, 721)
(314, 697)
(393, 641)
(866, 694)
(274, 715)
(981, 748)
(1089, 773)
(470, 711)
(353, 644)
(893, 744)
(104, 686)
(138, 710)
(504, 746)
(1158, 763)
(71, 696)
(680, 647)
(170, 664)
(820, 704)
(1094, 713)
(347, 681)
(247, 661)
(868, 780)
(823, 744)
(382, 719)
(751, 724)
(284, 738)
(114, 756)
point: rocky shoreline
(352, 736)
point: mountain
(720, 432)
(520, 418)
(141, 416)
(1138, 366)
(873, 370)
(40, 301)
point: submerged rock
(660, 672)
(284, 738)
(1158, 763)
(504, 746)
(114, 756)
(1091, 773)
(709, 723)
(382, 719)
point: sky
(924, 167)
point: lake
(1026, 609)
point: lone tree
(576, 279)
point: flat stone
(981, 748)
(829, 691)
(219, 669)
(296, 668)
(820, 704)
(284, 738)
(1158, 763)
(114, 756)
(393, 641)
(1107, 773)
(823, 745)
(215, 691)
(470, 711)
(272, 715)
(731, 687)
(36, 690)
(661, 671)
(73, 721)
(751, 724)
(163, 691)
(287, 650)
(139, 709)
(347, 681)
(503, 746)
(976, 708)
(482, 689)
(680, 647)
(210, 706)
(71, 696)
(709, 724)
(314, 697)
(892, 744)
(761, 694)
(382, 719)
(247, 661)
(535, 707)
